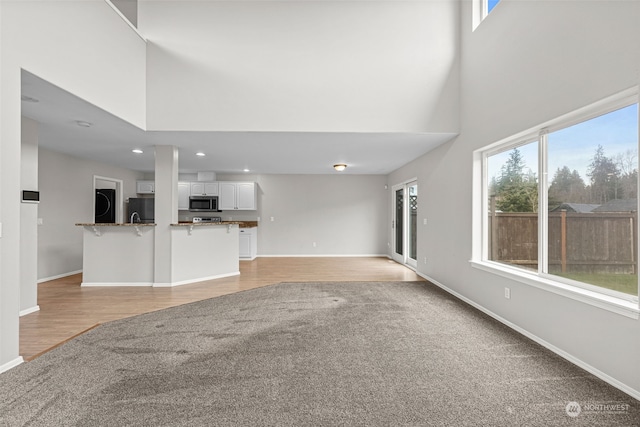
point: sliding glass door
(404, 223)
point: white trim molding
(29, 310)
(199, 279)
(59, 276)
(106, 284)
(323, 256)
(15, 362)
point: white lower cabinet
(248, 243)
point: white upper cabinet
(204, 189)
(145, 187)
(237, 196)
(246, 196)
(227, 198)
(184, 191)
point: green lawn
(627, 283)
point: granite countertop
(108, 224)
(241, 224)
(248, 224)
(207, 224)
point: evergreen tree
(516, 191)
(604, 176)
(627, 163)
(567, 187)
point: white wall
(343, 214)
(65, 44)
(528, 62)
(29, 218)
(67, 198)
(383, 66)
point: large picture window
(562, 202)
(592, 201)
(513, 206)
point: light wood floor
(67, 310)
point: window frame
(480, 12)
(613, 301)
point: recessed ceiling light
(83, 124)
(200, 153)
(340, 167)
(137, 151)
(245, 170)
(26, 98)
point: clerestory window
(481, 9)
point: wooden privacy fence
(578, 242)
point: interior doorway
(405, 223)
(114, 202)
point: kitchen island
(123, 254)
(204, 251)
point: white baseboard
(128, 284)
(578, 362)
(59, 276)
(29, 310)
(326, 256)
(15, 362)
(199, 279)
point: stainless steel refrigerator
(144, 207)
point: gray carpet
(297, 354)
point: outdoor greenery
(515, 190)
(609, 178)
(626, 283)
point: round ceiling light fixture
(339, 167)
(83, 124)
(200, 154)
(137, 151)
(245, 170)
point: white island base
(203, 252)
(123, 254)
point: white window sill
(606, 302)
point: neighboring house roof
(576, 207)
(619, 205)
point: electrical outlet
(425, 260)
(424, 221)
(39, 221)
(272, 219)
(507, 293)
(314, 244)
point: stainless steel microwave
(203, 203)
